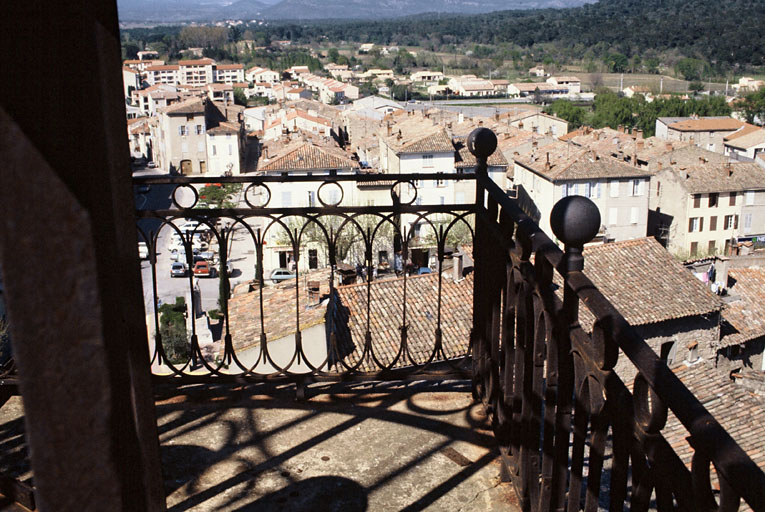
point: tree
(239, 96)
(333, 55)
(696, 87)
(691, 69)
(568, 111)
(131, 50)
(617, 63)
(753, 106)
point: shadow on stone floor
(381, 446)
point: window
(201, 146)
(612, 216)
(693, 224)
(697, 200)
(215, 150)
(614, 186)
(199, 130)
(184, 147)
(711, 247)
(439, 183)
(634, 215)
(658, 188)
(182, 130)
(594, 191)
(694, 248)
(732, 199)
(713, 199)
(747, 222)
(311, 198)
(637, 187)
(749, 196)
(313, 258)
(443, 199)
(563, 191)
(729, 221)
(713, 223)
(427, 160)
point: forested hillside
(723, 33)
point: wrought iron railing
(572, 435)
(551, 389)
(328, 240)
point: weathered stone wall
(684, 332)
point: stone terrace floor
(351, 447)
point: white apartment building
(262, 75)
(229, 73)
(619, 190)
(165, 74)
(572, 83)
(196, 72)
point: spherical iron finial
(482, 142)
(575, 220)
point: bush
(172, 328)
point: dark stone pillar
(68, 250)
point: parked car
(143, 250)
(281, 274)
(204, 269)
(178, 269)
(151, 165)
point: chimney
(722, 266)
(496, 116)
(692, 140)
(660, 165)
(480, 122)
(668, 146)
(640, 144)
(449, 125)
(534, 144)
(639, 134)
(520, 125)
(457, 266)
(729, 168)
(390, 130)
(398, 137)
(620, 128)
(547, 163)
(265, 152)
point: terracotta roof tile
(744, 310)
(645, 283)
(707, 124)
(711, 177)
(308, 156)
(386, 318)
(567, 162)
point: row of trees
(612, 110)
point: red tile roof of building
(308, 156)
(744, 306)
(386, 318)
(229, 66)
(196, 62)
(645, 283)
(708, 124)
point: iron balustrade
(548, 385)
(326, 226)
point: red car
(204, 269)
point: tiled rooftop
(645, 283)
(386, 317)
(744, 307)
(707, 124)
(306, 156)
(710, 177)
(562, 161)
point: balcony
(526, 381)
(468, 302)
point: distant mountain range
(176, 11)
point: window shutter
(701, 224)
(690, 225)
(735, 222)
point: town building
(572, 83)
(703, 207)
(705, 132)
(619, 190)
(745, 144)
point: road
(242, 255)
